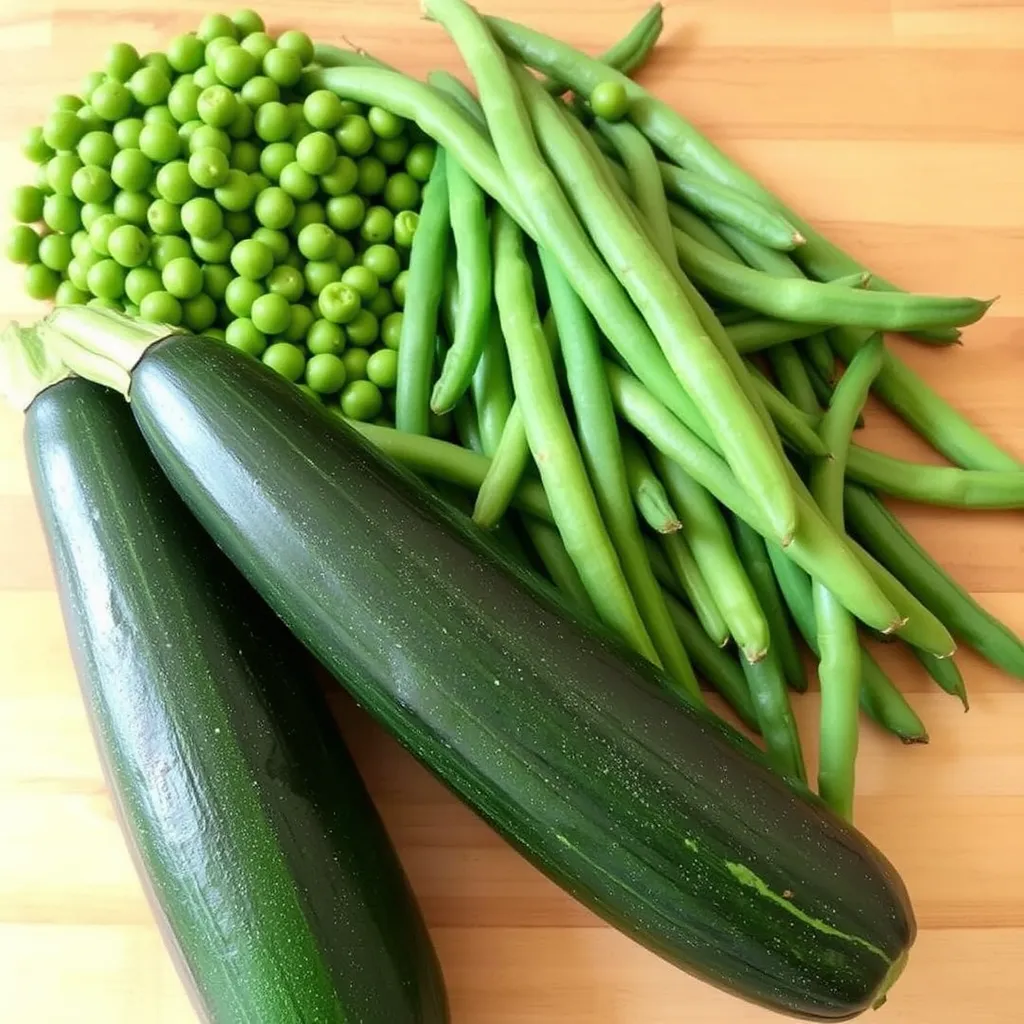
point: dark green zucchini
(280, 895)
(645, 809)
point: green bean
(690, 580)
(767, 686)
(823, 392)
(672, 134)
(630, 52)
(818, 353)
(552, 443)
(442, 460)
(598, 435)
(839, 667)
(936, 485)
(647, 490)
(879, 698)
(946, 674)
(887, 538)
(794, 424)
(791, 374)
(492, 387)
(732, 317)
(335, 57)
(558, 565)
(456, 91)
(423, 297)
(713, 550)
(700, 231)
(929, 414)
(717, 667)
(812, 302)
(696, 361)
(755, 560)
(815, 546)
(766, 333)
(467, 427)
(472, 235)
(722, 203)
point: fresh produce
(258, 844)
(552, 731)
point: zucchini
(644, 808)
(280, 894)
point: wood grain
(895, 124)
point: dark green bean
(775, 715)
(467, 427)
(557, 564)
(946, 673)
(694, 587)
(765, 333)
(818, 353)
(791, 375)
(492, 387)
(793, 423)
(649, 496)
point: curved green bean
(946, 674)
(598, 435)
(690, 582)
(472, 235)
(558, 565)
(755, 560)
(767, 686)
(423, 299)
(677, 138)
(492, 387)
(649, 496)
(735, 315)
(467, 427)
(936, 485)
(818, 353)
(552, 443)
(327, 56)
(442, 460)
(815, 546)
(708, 538)
(890, 542)
(456, 92)
(766, 333)
(791, 374)
(725, 204)
(793, 423)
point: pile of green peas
(214, 188)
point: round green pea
(252, 259)
(362, 329)
(382, 368)
(259, 44)
(309, 212)
(391, 330)
(208, 168)
(420, 161)
(59, 172)
(259, 90)
(216, 249)
(405, 228)
(381, 304)
(317, 242)
(385, 124)
(282, 65)
(185, 53)
(319, 274)
(202, 218)
(128, 245)
(111, 100)
(325, 373)
(183, 278)
(361, 400)
(234, 192)
(234, 66)
(214, 48)
(323, 110)
(243, 334)
(271, 313)
(401, 192)
(324, 336)
(149, 86)
(247, 21)
(286, 282)
(199, 312)
(339, 303)
(174, 183)
(276, 241)
(34, 147)
(316, 153)
(274, 208)
(245, 155)
(608, 99)
(68, 295)
(106, 279)
(166, 248)
(373, 176)
(275, 158)
(297, 183)
(164, 218)
(354, 135)
(364, 280)
(205, 136)
(121, 60)
(132, 207)
(356, 361)
(240, 294)
(89, 83)
(240, 223)
(273, 122)
(341, 177)
(214, 25)
(41, 282)
(27, 203)
(391, 151)
(160, 307)
(140, 281)
(80, 241)
(160, 114)
(63, 129)
(286, 359)
(160, 142)
(182, 101)
(298, 43)
(55, 252)
(62, 213)
(132, 170)
(91, 120)
(216, 278)
(97, 149)
(127, 131)
(378, 225)
(345, 213)
(217, 106)
(22, 244)
(383, 260)
(301, 318)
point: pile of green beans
(644, 372)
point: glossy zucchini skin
(644, 809)
(281, 898)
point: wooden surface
(898, 126)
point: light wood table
(898, 126)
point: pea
(354, 135)
(161, 307)
(252, 259)
(149, 86)
(274, 208)
(97, 149)
(405, 228)
(235, 66)
(345, 213)
(339, 303)
(27, 203)
(259, 44)
(182, 101)
(215, 25)
(320, 274)
(90, 82)
(273, 122)
(158, 61)
(91, 120)
(323, 110)
(240, 223)
(383, 260)
(247, 21)
(62, 213)
(216, 249)
(385, 124)
(55, 252)
(286, 359)
(420, 161)
(121, 60)
(286, 282)
(271, 313)
(609, 100)
(69, 295)
(128, 245)
(199, 312)
(63, 129)
(41, 282)
(276, 241)
(373, 176)
(356, 360)
(245, 155)
(361, 400)
(216, 278)
(174, 183)
(298, 183)
(78, 271)
(381, 304)
(132, 170)
(324, 336)
(362, 329)
(187, 130)
(298, 43)
(217, 106)
(309, 212)
(166, 248)
(159, 141)
(160, 114)
(208, 168)
(282, 66)
(240, 294)
(185, 52)
(391, 151)
(202, 217)
(127, 132)
(111, 100)
(22, 244)
(391, 330)
(382, 368)
(91, 212)
(316, 153)
(378, 225)
(106, 279)
(300, 320)
(401, 192)
(140, 281)
(59, 172)
(132, 207)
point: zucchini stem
(118, 339)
